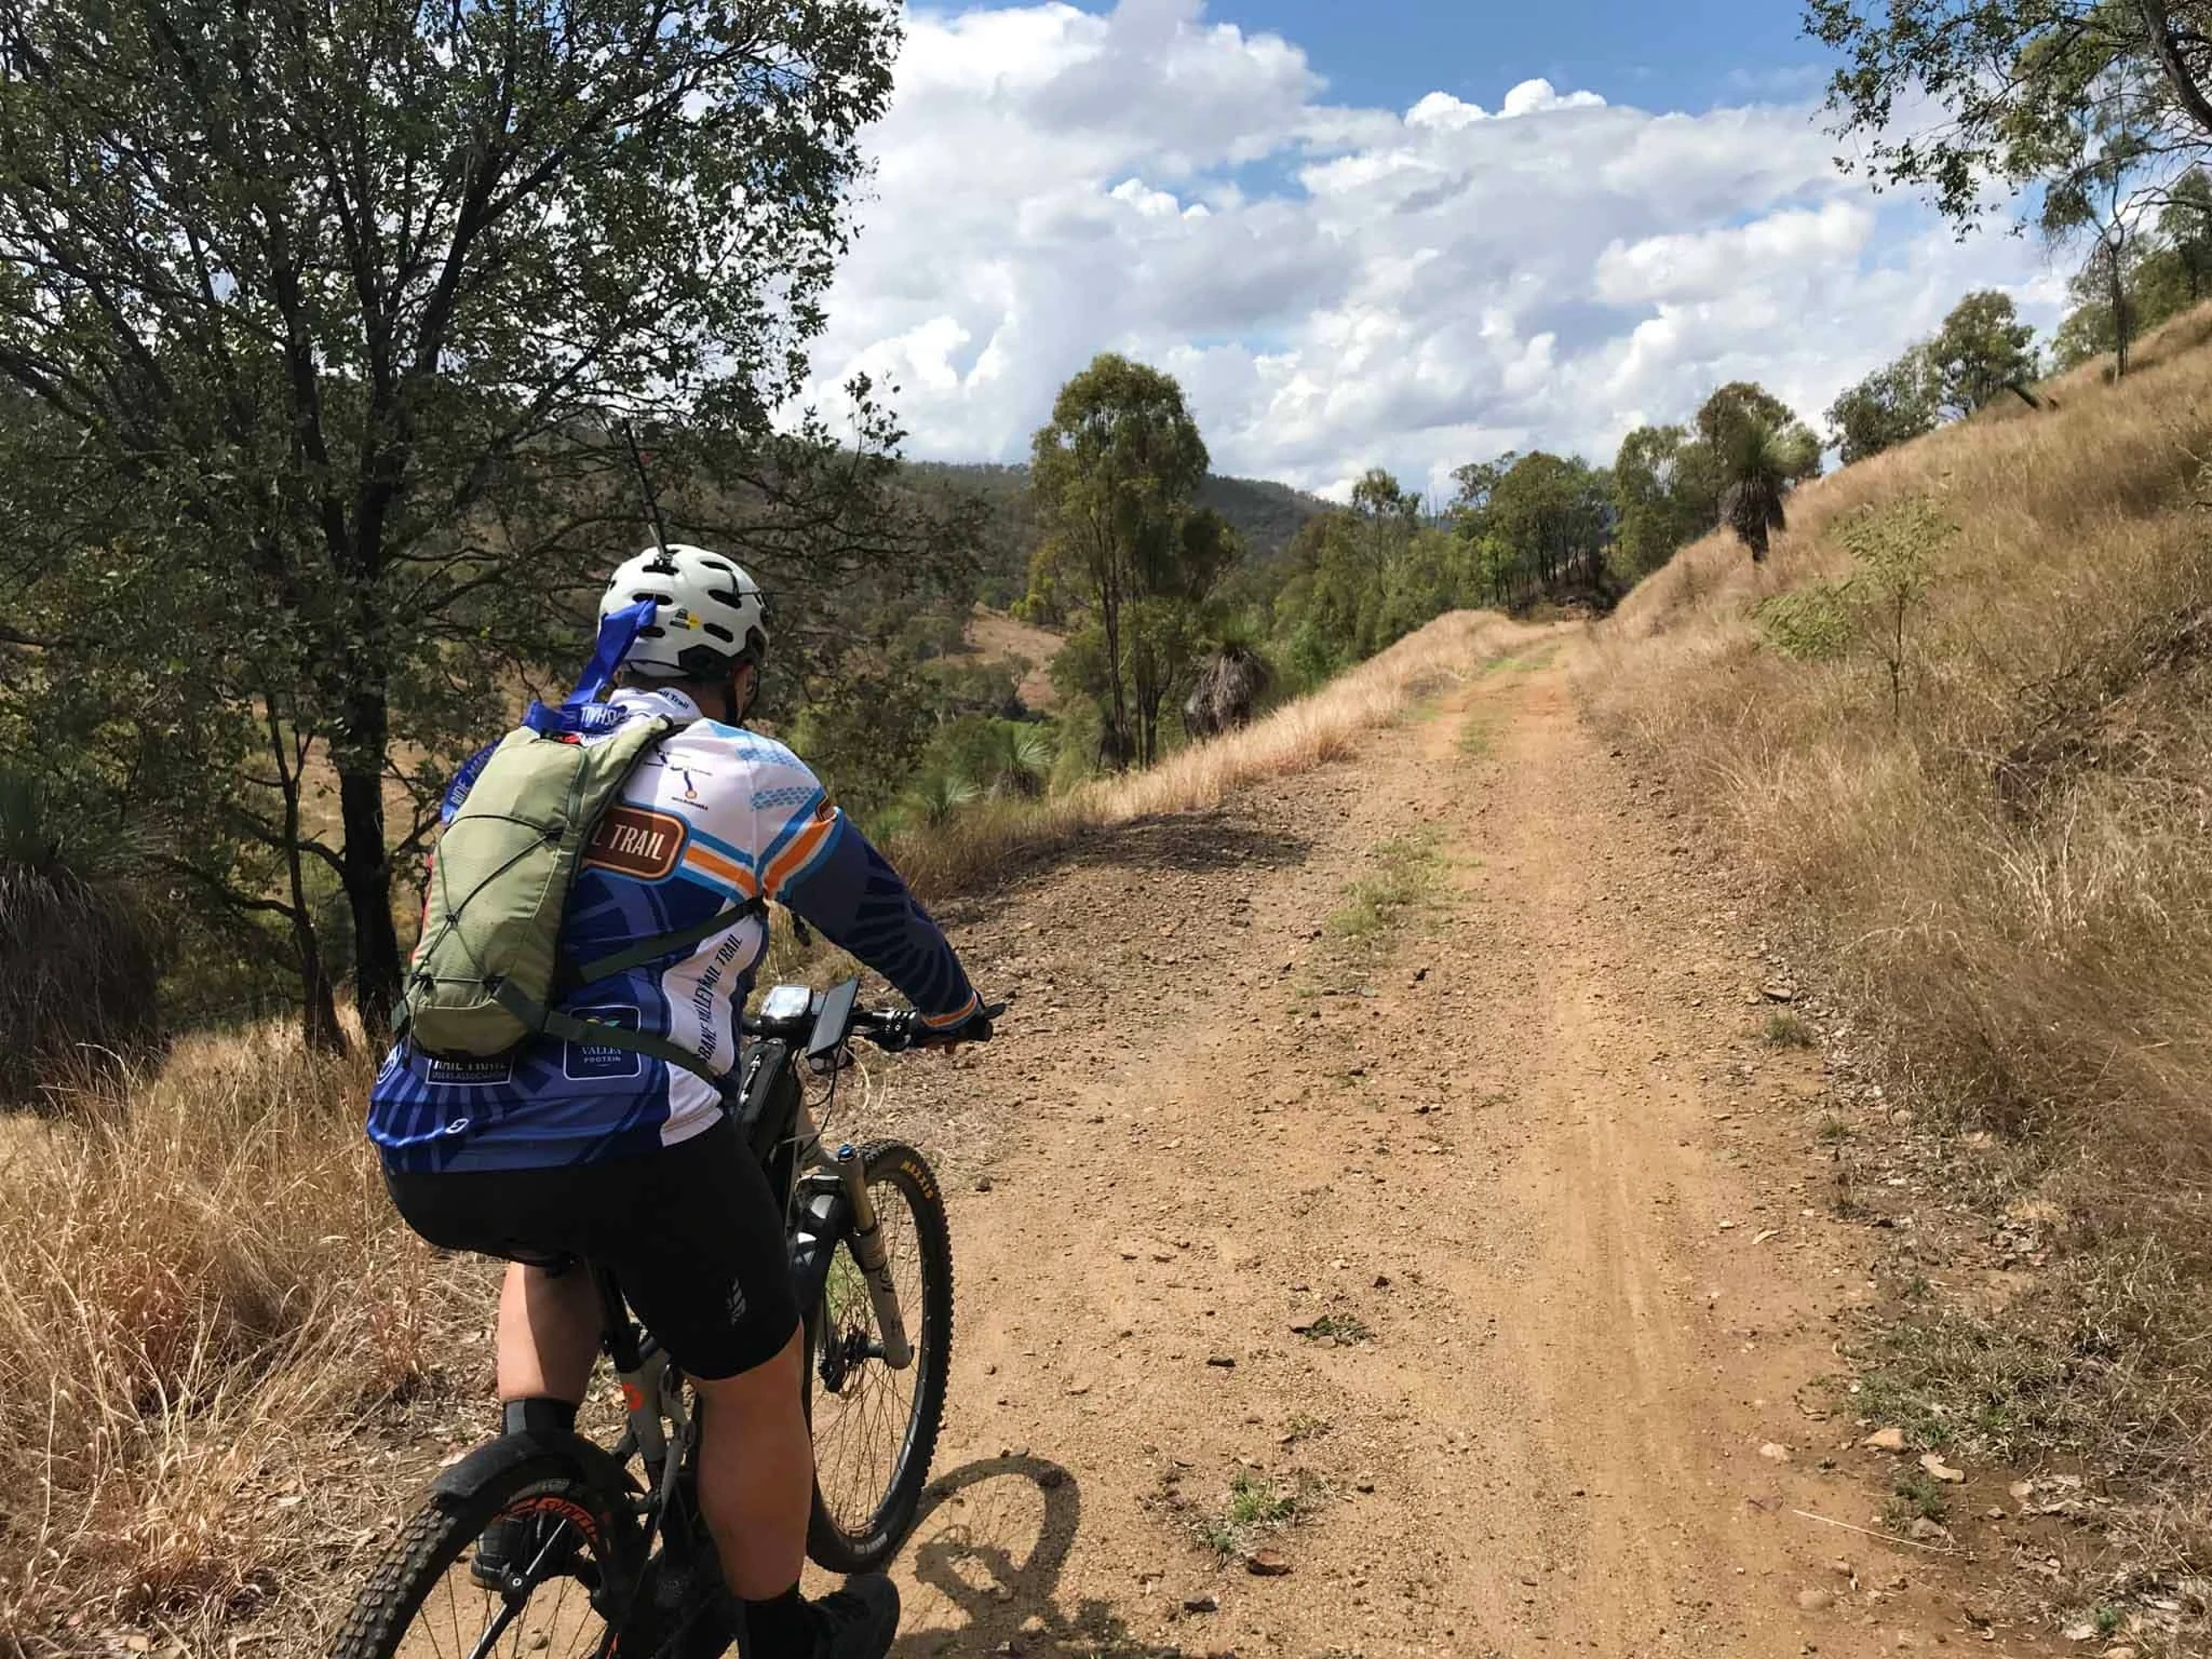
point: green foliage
(316, 441)
(1982, 349)
(1786, 1028)
(1552, 512)
(1114, 472)
(864, 730)
(1256, 1506)
(1724, 416)
(998, 757)
(1894, 548)
(2155, 273)
(1665, 495)
(1400, 886)
(935, 800)
(2006, 87)
(1812, 623)
(1893, 405)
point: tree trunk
(1117, 710)
(2116, 287)
(317, 998)
(2157, 25)
(367, 872)
(319, 1026)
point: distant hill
(1265, 514)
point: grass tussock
(202, 1286)
(1961, 723)
(1254, 1507)
(1396, 887)
(979, 842)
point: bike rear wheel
(875, 1429)
(574, 1556)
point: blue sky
(1682, 54)
(1378, 233)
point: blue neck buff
(582, 714)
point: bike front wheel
(875, 1426)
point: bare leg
(756, 1474)
(548, 1335)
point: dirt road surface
(1387, 1173)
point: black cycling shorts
(693, 1232)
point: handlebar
(826, 1021)
(896, 1030)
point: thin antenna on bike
(629, 436)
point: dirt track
(1524, 1146)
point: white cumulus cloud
(1340, 287)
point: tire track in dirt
(1510, 1148)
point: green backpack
(484, 979)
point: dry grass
(2013, 876)
(1294, 738)
(202, 1287)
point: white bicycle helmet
(712, 614)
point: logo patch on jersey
(633, 841)
(586, 1061)
(493, 1073)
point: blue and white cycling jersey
(714, 814)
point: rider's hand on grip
(975, 1029)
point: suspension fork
(866, 1237)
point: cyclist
(574, 1150)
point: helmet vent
(720, 631)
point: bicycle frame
(818, 1213)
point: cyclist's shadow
(973, 1520)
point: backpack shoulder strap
(665, 945)
(569, 1027)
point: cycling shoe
(859, 1621)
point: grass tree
(82, 969)
(1760, 458)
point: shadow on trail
(992, 1539)
(1198, 843)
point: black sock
(782, 1628)
(539, 1416)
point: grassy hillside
(1962, 723)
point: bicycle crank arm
(867, 1240)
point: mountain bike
(603, 1549)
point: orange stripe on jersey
(804, 846)
(714, 865)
